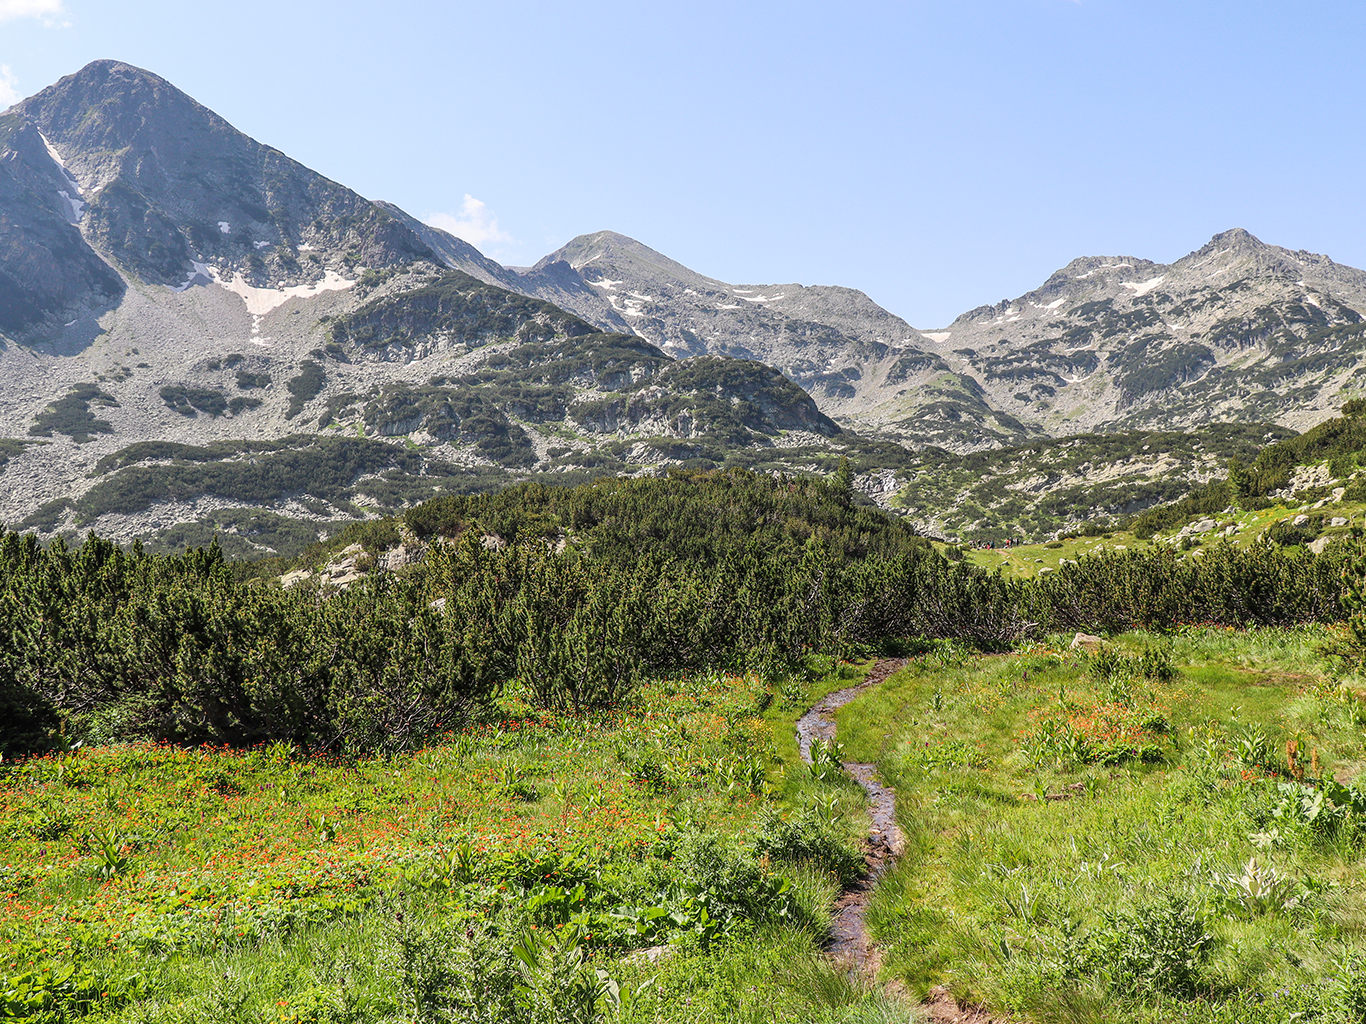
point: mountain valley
(199, 330)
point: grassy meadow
(1165, 830)
(565, 787)
(665, 862)
(1026, 560)
(1162, 830)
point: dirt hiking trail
(850, 943)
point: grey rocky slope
(1236, 331)
(200, 328)
(162, 188)
(865, 367)
(167, 280)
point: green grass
(143, 882)
(1026, 560)
(1081, 834)
(1077, 835)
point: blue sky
(938, 155)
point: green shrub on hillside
(71, 414)
(656, 577)
(305, 387)
(188, 400)
(327, 468)
(10, 447)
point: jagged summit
(1237, 329)
(155, 257)
(112, 119)
(859, 361)
(166, 185)
(621, 252)
(1239, 237)
(1095, 278)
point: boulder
(1299, 520)
(1337, 521)
(401, 557)
(1086, 642)
(1204, 526)
(651, 955)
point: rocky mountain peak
(1236, 238)
(112, 119)
(603, 251)
(172, 192)
(1240, 254)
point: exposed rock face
(865, 367)
(166, 186)
(176, 296)
(1237, 330)
(47, 270)
(190, 319)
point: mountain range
(198, 329)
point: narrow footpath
(850, 942)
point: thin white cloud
(475, 223)
(51, 11)
(9, 88)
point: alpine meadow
(391, 635)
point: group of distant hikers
(986, 545)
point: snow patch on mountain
(261, 301)
(75, 208)
(198, 276)
(1144, 287)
